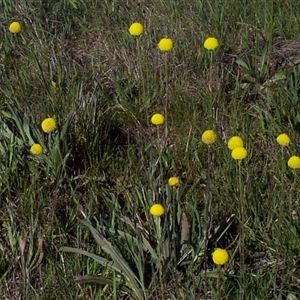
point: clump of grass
(81, 208)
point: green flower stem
(142, 77)
(280, 209)
(175, 209)
(219, 283)
(210, 69)
(282, 177)
(161, 149)
(167, 94)
(207, 213)
(211, 102)
(159, 253)
(208, 205)
(242, 229)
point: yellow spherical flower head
(136, 29)
(157, 119)
(173, 181)
(239, 153)
(157, 210)
(234, 142)
(48, 125)
(36, 149)
(211, 43)
(209, 137)
(165, 45)
(283, 140)
(294, 162)
(220, 256)
(14, 27)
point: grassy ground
(75, 221)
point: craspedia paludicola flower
(14, 27)
(48, 125)
(211, 43)
(220, 256)
(157, 210)
(173, 181)
(294, 162)
(36, 149)
(136, 29)
(239, 153)
(157, 119)
(234, 142)
(165, 45)
(283, 139)
(209, 137)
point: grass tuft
(75, 219)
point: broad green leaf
(291, 296)
(117, 258)
(241, 63)
(101, 260)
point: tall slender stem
(159, 253)
(242, 229)
(166, 94)
(219, 283)
(208, 218)
(142, 76)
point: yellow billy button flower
(157, 119)
(234, 142)
(220, 256)
(294, 162)
(48, 125)
(283, 140)
(157, 210)
(165, 45)
(36, 149)
(173, 181)
(136, 29)
(209, 137)
(239, 153)
(14, 27)
(211, 43)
